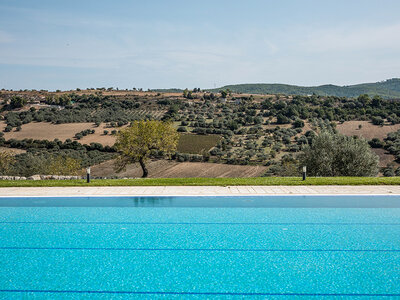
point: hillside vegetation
(225, 127)
(389, 89)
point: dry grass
(385, 158)
(99, 137)
(173, 169)
(307, 125)
(368, 130)
(12, 151)
(47, 131)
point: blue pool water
(200, 247)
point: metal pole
(88, 175)
(304, 173)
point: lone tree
(143, 139)
(338, 155)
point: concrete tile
(198, 190)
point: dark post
(88, 175)
(304, 173)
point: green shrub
(182, 129)
(378, 121)
(298, 123)
(338, 155)
(376, 143)
(388, 171)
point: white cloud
(163, 54)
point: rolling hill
(389, 89)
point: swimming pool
(200, 247)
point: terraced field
(173, 169)
(196, 144)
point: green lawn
(209, 181)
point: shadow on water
(87, 202)
(209, 201)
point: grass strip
(206, 181)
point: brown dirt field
(28, 107)
(367, 131)
(118, 93)
(173, 169)
(47, 131)
(99, 137)
(273, 126)
(385, 158)
(307, 126)
(13, 151)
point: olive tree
(63, 165)
(6, 162)
(142, 139)
(332, 154)
(17, 102)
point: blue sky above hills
(162, 44)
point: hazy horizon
(184, 44)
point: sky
(183, 43)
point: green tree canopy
(63, 165)
(17, 102)
(142, 139)
(6, 161)
(223, 93)
(337, 155)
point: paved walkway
(199, 190)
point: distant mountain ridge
(389, 89)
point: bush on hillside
(378, 121)
(337, 155)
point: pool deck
(199, 190)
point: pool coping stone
(199, 190)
